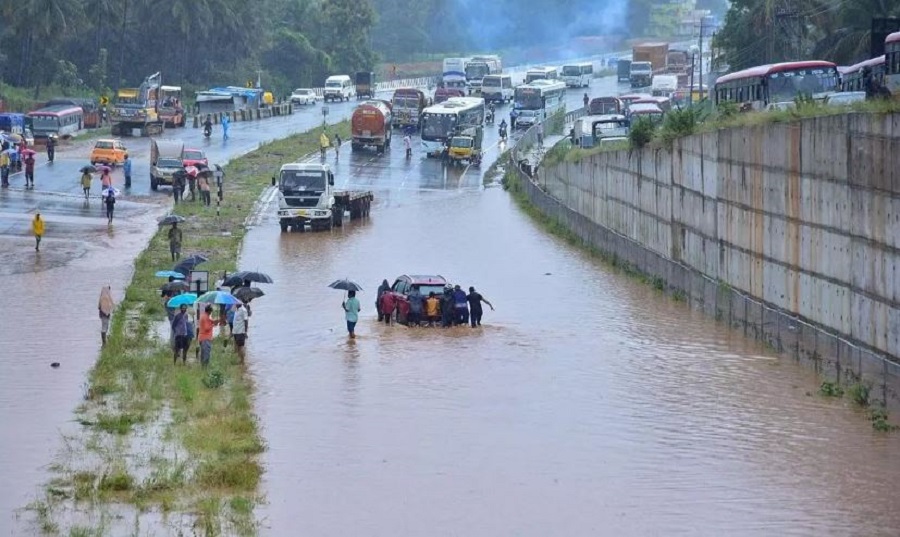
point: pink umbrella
(103, 168)
(28, 152)
(192, 171)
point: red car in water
(404, 284)
(194, 157)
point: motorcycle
(207, 131)
(489, 117)
(503, 133)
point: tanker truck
(370, 125)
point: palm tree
(47, 20)
(848, 38)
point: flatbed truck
(307, 197)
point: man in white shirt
(239, 330)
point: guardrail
(421, 82)
(279, 109)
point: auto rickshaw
(465, 146)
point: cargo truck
(307, 197)
(655, 53)
(365, 85)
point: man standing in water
(37, 226)
(175, 241)
(475, 311)
(382, 289)
(460, 306)
(239, 330)
(351, 313)
(416, 305)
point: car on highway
(403, 285)
(108, 151)
(304, 96)
(194, 157)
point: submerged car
(304, 96)
(403, 285)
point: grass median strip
(161, 438)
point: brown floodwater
(588, 404)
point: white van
(339, 88)
(497, 88)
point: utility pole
(790, 24)
(700, 73)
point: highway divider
(252, 114)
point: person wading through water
(105, 309)
(382, 289)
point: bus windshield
(785, 86)
(43, 123)
(571, 70)
(476, 70)
(300, 180)
(529, 99)
(436, 126)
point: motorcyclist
(503, 129)
(207, 125)
(490, 115)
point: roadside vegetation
(170, 440)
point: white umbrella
(111, 191)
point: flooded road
(588, 404)
(51, 297)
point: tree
(344, 33)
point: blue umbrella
(218, 297)
(170, 274)
(186, 299)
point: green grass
(206, 414)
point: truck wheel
(284, 227)
(154, 184)
(337, 216)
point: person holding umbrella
(86, 178)
(181, 331)
(175, 237)
(105, 178)
(351, 312)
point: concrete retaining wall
(789, 232)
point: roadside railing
(389, 85)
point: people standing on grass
(475, 311)
(181, 329)
(178, 186)
(239, 329)
(105, 308)
(205, 335)
(37, 227)
(203, 185)
(351, 313)
(175, 237)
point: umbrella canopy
(170, 219)
(28, 152)
(219, 297)
(14, 138)
(239, 277)
(345, 285)
(246, 294)
(177, 285)
(187, 299)
(189, 263)
(170, 274)
(191, 170)
(104, 168)
(111, 191)
(88, 169)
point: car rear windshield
(428, 289)
(104, 145)
(193, 155)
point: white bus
(454, 75)
(539, 73)
(441, 121)
(578, 75)
(479, 67)
(539, 100)
(664, 85)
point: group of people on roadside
(184, 330)
(453, 307)
(325, 142)
(193, 182)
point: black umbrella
(246, 294)
(88, 169)
(170, 219)
(345, 285)
(177, 285)
(238, 278)
(189, 263)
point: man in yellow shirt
(4, 167)
(37, 226)
(324, 142)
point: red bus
(62, 120)
(892, 63)
(853, 78)
(759, 87)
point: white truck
(306, 197)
